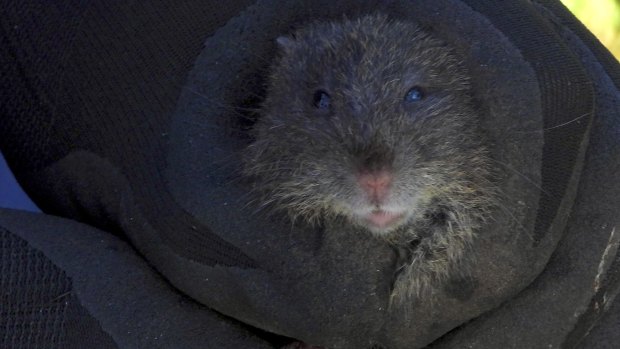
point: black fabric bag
(129, 118)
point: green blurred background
(602, 17)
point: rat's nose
(376, 184)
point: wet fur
(304, 160)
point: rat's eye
(414, 94)
(321, 100)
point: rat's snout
(376, 184)
(373, 169)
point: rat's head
(368, 119)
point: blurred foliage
(602, 17)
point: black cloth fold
(126, 116)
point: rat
(372, 121)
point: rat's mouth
(383, 220)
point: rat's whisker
(558, 126)
(522, 176)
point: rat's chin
(382, 222)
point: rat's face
(368, 119)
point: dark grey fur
(304, 159)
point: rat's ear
(285, 42)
